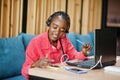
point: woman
(50, 47)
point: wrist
(85, 54)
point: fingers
(48, 60)
(43, 62)
(87, 46)
(46, 56)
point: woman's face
(57, 28)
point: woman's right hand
(42, 63)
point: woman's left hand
(86, 48)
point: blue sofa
(12, 53)
(12, 56)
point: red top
(40, 46)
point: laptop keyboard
(83, 64)
(86, 64)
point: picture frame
(113, 13)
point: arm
(72, 52)
(31, 57)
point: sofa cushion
(26, 38)
(86, 38)
(72, 37)
(19, 77)
(12, 56)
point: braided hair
(63, 14)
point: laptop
(104, 50)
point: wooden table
(62, 74)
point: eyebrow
(57, 26)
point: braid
(64, 15)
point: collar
(45, 43)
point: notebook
(104, 50)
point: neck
(54, 43)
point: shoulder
(40, 38)
(65, 39)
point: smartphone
(76, 70)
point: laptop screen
(105, 46)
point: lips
(55, 37)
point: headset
(64, 15)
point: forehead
(59, 20)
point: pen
(80, 41)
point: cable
(62, 57)
(99, 61)
(66, 67)
(61, 60)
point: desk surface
(62, 74)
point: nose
(57, 31)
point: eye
(62, 30)
(54, 27)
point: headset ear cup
(66, 30)
(48, 22)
